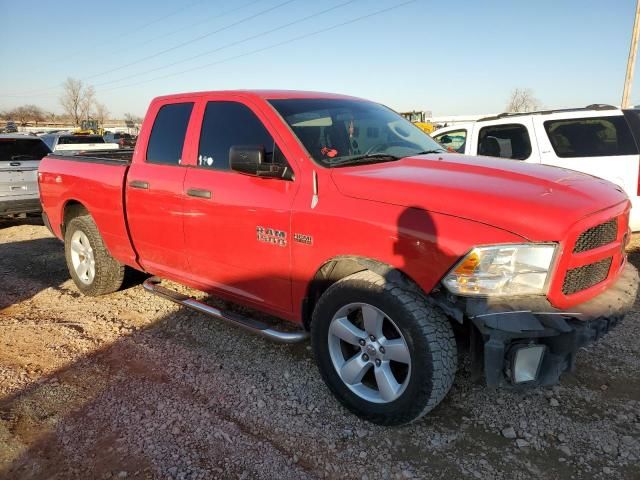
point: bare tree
(133, 122)
(522, 100)
(100, 112)
(27, 113)
(36, 114)
(77, 99)
(20, 114)
(129, 117)
(87, 102)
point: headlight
(502, 270)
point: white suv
(600, 140)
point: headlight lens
(502, 270)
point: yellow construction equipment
(419, 120)
(89, 127)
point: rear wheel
(93, 270)
(386, 354)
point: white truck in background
(69, 143)
(600, 140)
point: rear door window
(168, 132)
(505, 141)
(591, 137)
(454, 141)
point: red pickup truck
(337, 214)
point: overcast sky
(452, 58)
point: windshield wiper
(426, 152)
(368, 158)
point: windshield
(336, 130)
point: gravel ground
(132, 386)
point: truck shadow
(6, 222)
(28, 267)
(174, 392)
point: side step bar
(153, 285)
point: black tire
(426, 330)
(109, 273)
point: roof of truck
(262, 94)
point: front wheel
(386, 354)
(92, 268)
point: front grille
(597, 236)
(587, 276)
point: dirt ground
(132, 386)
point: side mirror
(250, 160)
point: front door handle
(139, 184)
(198, 193)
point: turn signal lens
(469, 264)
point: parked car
(600, 140)
(342, 217)
(20, 156)
(11, 127)
(69, 143)
(125, 140)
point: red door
(237, 227)
(154, 193)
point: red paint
(420, 215)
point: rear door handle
(198, 193)
(139, 184)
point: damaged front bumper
(526, 341)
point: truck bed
(95, 180)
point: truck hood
(537, 202)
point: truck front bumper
(527, 342)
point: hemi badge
(302, 238)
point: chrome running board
(153, 285)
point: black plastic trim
(500, 324)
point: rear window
(80, 139)
(19, 149)
(167, 136)
(591, 137)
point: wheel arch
(71, 209)
(342, 266)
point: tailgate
(19, 160)
(19, 178)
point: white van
(601, 140)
